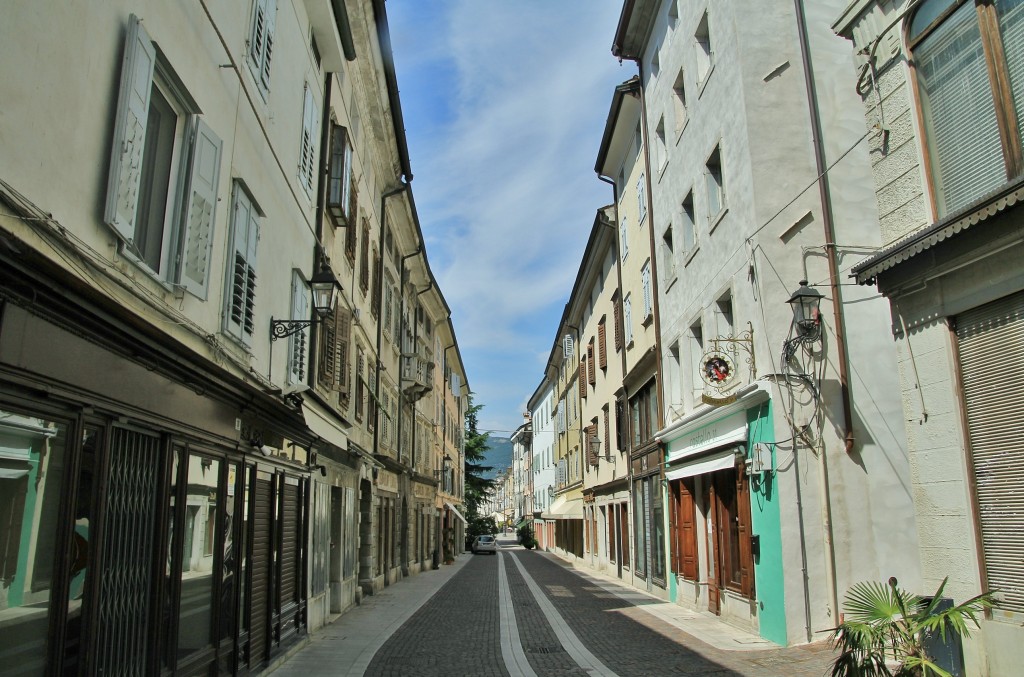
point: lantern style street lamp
(325, 288)
(805, 301)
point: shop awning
(324, 428)
(564, 509)
(456, 513)
(522, 521)
(719, 460)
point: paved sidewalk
(346, 646)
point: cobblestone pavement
(456, 632)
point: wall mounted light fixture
(325, 287)
(805, 301)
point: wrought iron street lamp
(325, 288)
(805, 301)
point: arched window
(968, 58)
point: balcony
(417, 376)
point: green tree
(477, 485)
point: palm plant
(886, 629)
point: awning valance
(456, 513)
(324, 428)
(718, 460)
(564, 509)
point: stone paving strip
(512, 652)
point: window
(679, 101)
(360, 384)
(723, 316)
(375, 296)
(704, 53)
(339, 183)
(643, 411)
(388, 302)
(713, 184)
(164, 170)
(641, 198)
(659, 134)
(261, 42)
(668, 256)
(627, 319)
(364, 259)
(966, 61)
(298, 342)
(617, 320)
(333, 347)
(240, 297)
(689, 224)
(645, 278)
(602, 345)
(623, 239)
(656, 63)
(308, 143)
(696, 350)
(591, 363)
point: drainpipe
(380, 327)
(837, 301)
(318, 218)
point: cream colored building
(161, 253)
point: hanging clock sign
(717, 369)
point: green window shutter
(130, 131)
(200, 210)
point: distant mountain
(499, 455)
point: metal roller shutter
(260, 572)
(991, 343)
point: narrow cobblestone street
(579, 624)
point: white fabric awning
(324, 428)
(456, 512)
(719, 460)
(564, 509)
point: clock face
(717, 369)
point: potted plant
(886, 630)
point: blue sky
(504, 105)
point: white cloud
(505, 104)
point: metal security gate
(260, 578)
(129, 536)
(991, 351)
(291, 530)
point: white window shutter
(623, 239)
(306, 150)
(646, 279)
(567, 346)
(298, 342)
(268, 49)
(200, 210)
(241, 284)
(130, 130)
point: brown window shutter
(673, 524)
(364, 258)
(591, 363)
(687, 523)
(607, 439)
(591, 433)
(602, 347)
(617, 303)
(746, 558)
(344, 327)
(350, 232)
(327, 364)
(583, 377)
(375, 301)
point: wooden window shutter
(591, 433)
(674, 539)
(602, 346)
(617, 304)
(130, 131)
(687, 524)
(343, 333)
(364, 258)
(350, 233)
(327, 360)
(607, 430)
(200, 210)
(375, 301)
(746, 559)
(591, 364)
(583, 377)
